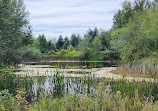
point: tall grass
(101, 101)
(58, 85)
(146, 68)
(57, 92)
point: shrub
(70, 48)
(73, 54)
(21, 99)
(154, 54)
(7, 101)
(52, 52)
(109, 55)
(30, 54)
(86, 53)
(62, 52)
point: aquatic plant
(102, 101)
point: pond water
(59, 78)
(53, 78)
(68, 69)
(77, 64)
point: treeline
(94, 46)
(134, 36)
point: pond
(68, 69)
(57, 79)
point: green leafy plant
(7, 101)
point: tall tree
(66, 43)
(118, 19)
(122, 17)
(105, 38)
(14, 29)
(59, 43)
(42, 43)
(74, 40)
(92, 34)
(51, 46)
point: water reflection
(77, 64)
(57, 86)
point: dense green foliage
(59, 43)
(10, 103)
(15, 31)
(96, 43)
(135, 37)
(66, 43)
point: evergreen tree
(66, 43)
(51, 46)
(92, 34)
(75, 40)
(105, 38)
(59, 43)
(42, 43)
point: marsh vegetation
(114, 70)
(57, 91)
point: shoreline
(69, 61)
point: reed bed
(56, 92)
(147, 68)
(101, 101)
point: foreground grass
(100, 102)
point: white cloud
(55, 17)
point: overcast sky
(64, 17)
